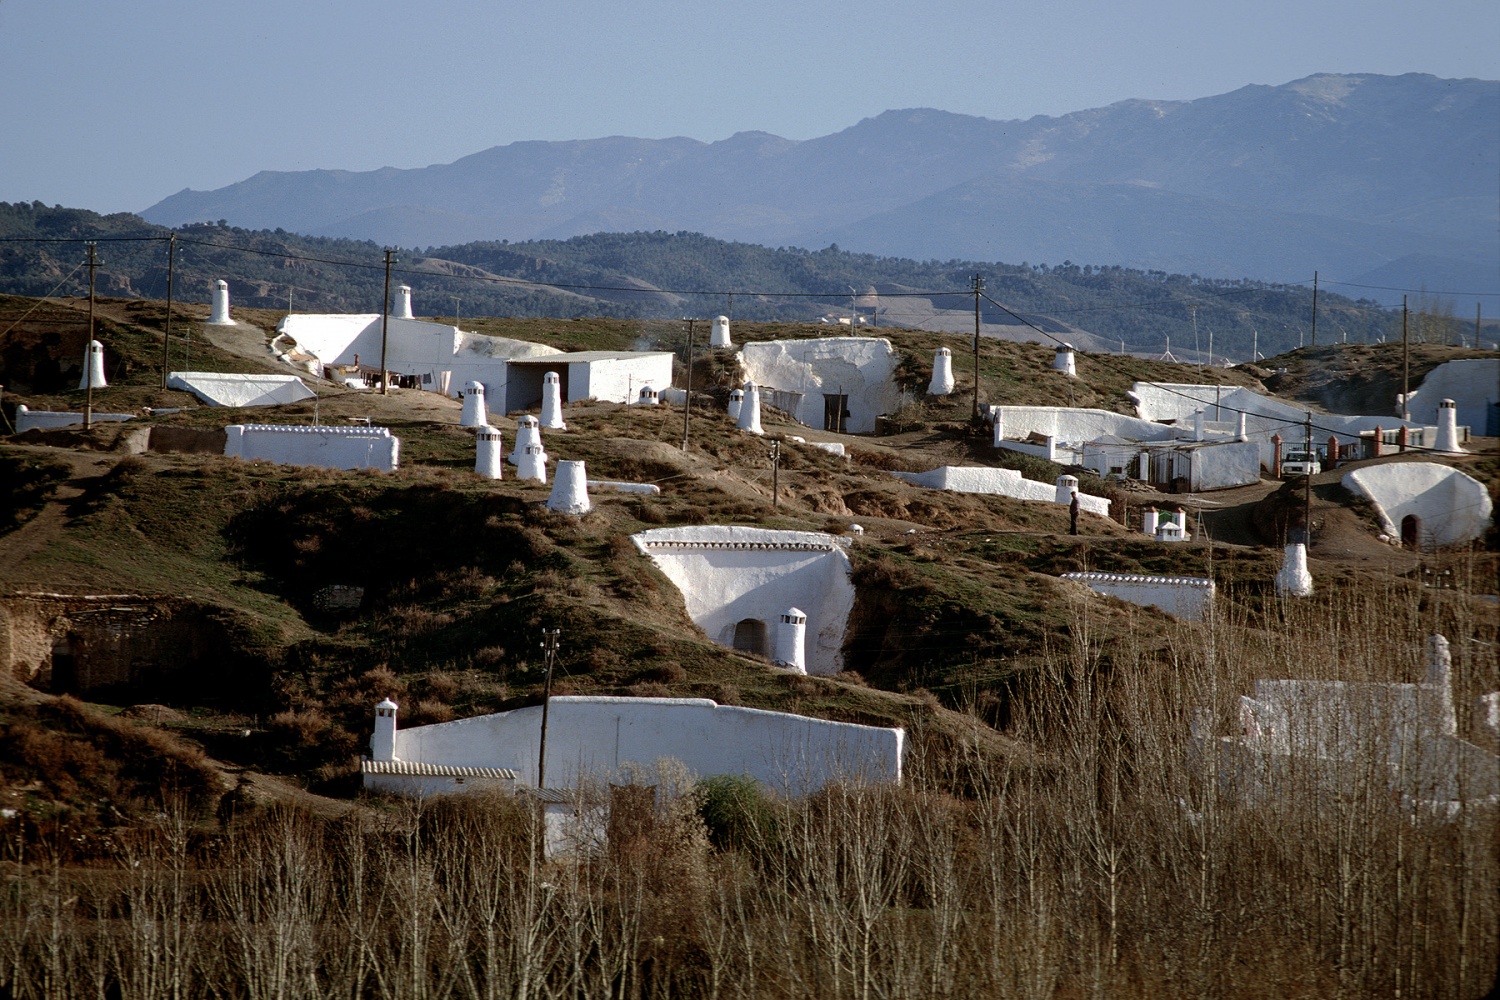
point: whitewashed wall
(727, 574)
(596, 735)
(1184, 596)
(231, 389)
(1078, 424)
(997, 482)
(1474, 386)
(863, 368)
(1453, 507)
(329, 447)
(27, 418)
(1225, 464)
(619, 379)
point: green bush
(735, 809)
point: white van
(1300, 463)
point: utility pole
(1405, 363)
(978, 289)
(776, 472)
(1478, 310)
(1315, 311)
(88, 349)
(687, 400)
(385, 319)
(1307, 497)
(549, 651)
(166, 338)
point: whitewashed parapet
(328, 447)
(660, 544)
(595, 735)
(1184, 596)
(29, 419)
(605, 485)
(736, 583)
(998, 482)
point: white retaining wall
(997, 482)
(329, 447)
(27, 418)
(1188, 597)
(596, 735)
(863, 368)
(1453, 507)
(728, 574)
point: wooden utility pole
(88, 347)
(978, 290)
(166, 337)
(549, 651)
(1405, 363)
(1307, 497)
(687, 400)
(1315, 311)
(385, 319)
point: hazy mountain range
(1372, 180)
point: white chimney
(474, 413)
(791, 638)
(1447, 429)
(1148, 521)
(532, 464)
(749, 418)
(489, 452)
(403, 303)
(1294, 579)
(1440, 679)
(1197, 425)
(570, 493)
(648, 396)
(383, 741)
(1242, 434)
(220, 316)
(942, 373)
(720, 335)
(736, 400)
(93, 367)
(552, 417)
(1065, 487)
(1063, 361)
(528, 432)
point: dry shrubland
(1106, 862)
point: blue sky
(113, 106)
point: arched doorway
(750, 636)
(1411, 532)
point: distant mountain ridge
(1351, 175)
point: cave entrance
(750, 636)
(1411, 532)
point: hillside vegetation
(667, 276)
(1056, 834)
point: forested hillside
(670, 275)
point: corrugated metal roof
(548, 794)
(416, 768)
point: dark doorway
(835, 411)
(750, 636)
(1411, 532)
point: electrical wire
(1168, 387)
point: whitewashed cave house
(834, 383)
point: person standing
(1073, 515)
